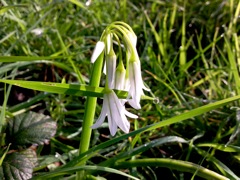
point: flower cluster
(120, 36)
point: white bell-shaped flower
(115, 112)
(136, 84)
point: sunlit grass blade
(3, 113)
(221, 166)
(203, 80)
(66, 53)
(221, 147)
(167, 86)
(78, 3)
(233, 65)
(71, 170)
(4, 9)
(194, 112)
(28, 58)
(13, 13)
(183, 54)
(179, 165)
(7, 36)
(158, 37)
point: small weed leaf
(30, 128)
(18, 165)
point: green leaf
(18, 165)
(30, 128)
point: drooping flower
(120, 77)
(111, 61)
(115, 112)
(136, 84)
(121, 36)
(97, 51)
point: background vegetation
(190, 57)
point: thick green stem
(90, 111)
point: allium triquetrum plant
(182, 56)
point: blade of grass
(220, 147)
(233, 65)
(140, 149)
(179, 165)
(70, 170)
(65, 49)
(28, 58)
(222, 167)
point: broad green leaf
(18, 165)
(30, 128)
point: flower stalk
(90, 111)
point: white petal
(97, 51)
(117, 109)
(145, 88)
(120, 78)
(111, 61)
(134, 104)
(111, 116)
(133, 38)
(135, 89)
(131, 115)
(126, 84)
(138, 80)
(112, 126)
(102, 116)
(105, 68)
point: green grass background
(190, 57)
